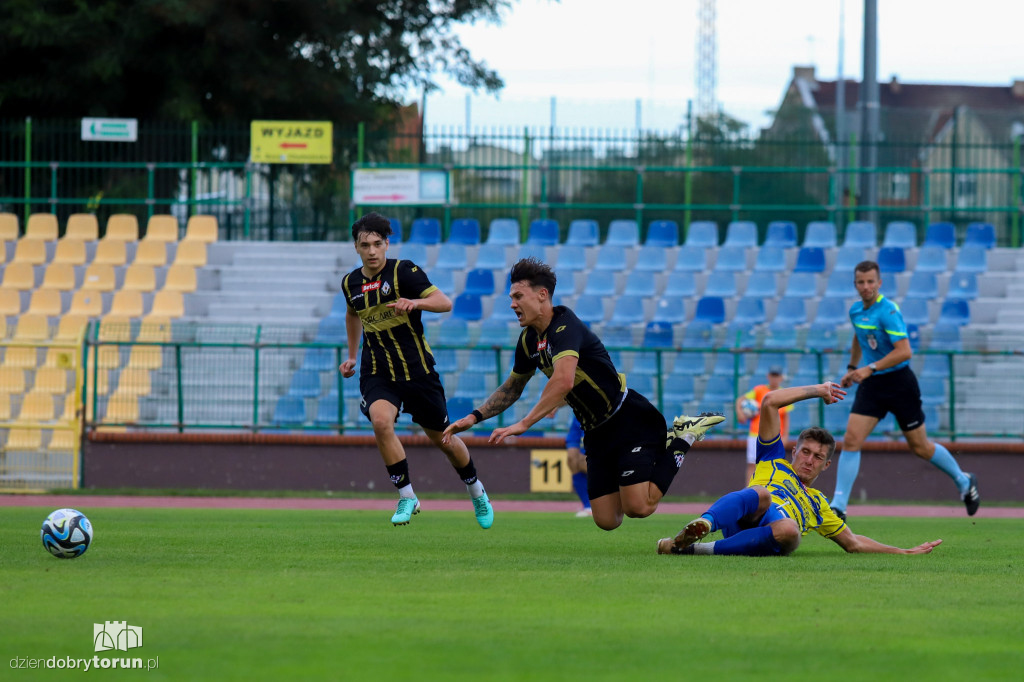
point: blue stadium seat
(721, 284)
(483, 361)
(702, 233)
(726, 364)
(491, 257)
(832, 311)
(801, 285)
(810, 259)
(331, 329)
(749, 311)
(321, 359)
(822, 336)
(820, 233)
(682, 284)
(955, 311)
(640, 283)
(467, 307)
(691, 259)
(837, 415)
(425, 231)
(779, 335)
(651, 258)
(731, 259)
(689, 363)
(862, 233)
(935, 366)
(459, 408)
(972, 258)
(933, 391)
(963, 285)
(465, 231)
(942, 235)
(611, 258)
(741, 233)
(766, 361)
(472, 385)
(305, 383)
(583, 233)
(658, 334)
(781, 234)
(644, 384)
(627, 311)
(662, 233)
(290, 409)
(496, 332)
(445, 360)
(589, 309)
(807, 365)
(710, 309)
(923, 285)
(698, 334)
(503, 231)
(891, 259)
(718, 390)
(415, 252)
(945, 336)
(679, 388)
(616, 334)
(571, 258)
(479, 281)
(669, 310)
(451, 256)
(980, 234)
(762, 284)
(847, 258)
(772, 259)
(914, 336)
(901, 234)
(543, 231)
(931, 258)
(623, 233)
(327, 412)
(396, 231)
(532, 250)
(840, 284)
(915, 311)
(454, 332)
(791, 311)
(599, 284)
(443, 279)
(739, 335)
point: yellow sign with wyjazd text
(291, 142)
(549, 472)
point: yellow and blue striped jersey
(878, 329)
(807, 506)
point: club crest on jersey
(872, 341)
(371, 286)
(385, 288)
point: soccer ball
(66, 533)
(749, 408)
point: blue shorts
(773, 514)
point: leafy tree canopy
(343, 60)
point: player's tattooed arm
(504, 396)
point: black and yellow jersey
(393, 344)
(598, 389)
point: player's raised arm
(553, 395)
(774, 401)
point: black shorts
(896, 392)
(624, 449)
(423, 398)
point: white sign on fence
(110, 129)
(382, 186)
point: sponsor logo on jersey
(370, 286)
(560, 329)
(542, 345)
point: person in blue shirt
(577, 460)
(880, 362)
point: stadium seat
(935, 366)
(126, 303)
(651, 259)
(10, 229)
(689, 363)
(180, 278)
(710, 309)
(615, 334)
(720, 284)
(289, 409)
(640, 284)
(46, 302)
(134, 381)
(454, 332)
(465, 231)
(305, 383)
(963, 285)
(738, 335)
(691, 259)
(10, 302)
(139, 278)
(915, 311)
(682, 284)
(33, 325)
(780, 335)
(810, 259)
(946, 336)
(496, 332)
(483, 361)
(822, 336)
(791, 311)
(781, 234)
(702, 233)
(480, 282)
(491, 257)
(122, 227)
(933, 391)
(699, 333)
(31, 250)
(718, 390)
(669, 310)
(770, 259)
(163, 228)
(801, 285)
(611, 258)
(728, 364)
(327, 413)
(583, 233)
(821, 234)
(731, 259)
(110, 252)
(941, 235)
(415, 252)
(662, 233)
(201, 228)
(86, 302)
(891, 259)
(167, 303)
(70, 326)
(931, 258)
(396, 231)
(678, 388)
(472, 385)
(315, 360)
(122, 408)
(42, 226)
(973, 259)
(426, 231)
(571, 258)
(901, 234)
(762, 285)
(923, 285)
(70, 251)
(980, 234)
(955, 311)
(862, 233)
(188, 253)
(534, 250)
(847, 259)
(20, 438)
(543, 232)
(467, 307)
(599, 284)
(749, 311)
(503, 231)
(623, 233)
(658, 334)
(831, 310)
(627, 311)
(589, 309)
(741, 233)
(451, 256)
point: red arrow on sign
(392, 197)
(293, 145)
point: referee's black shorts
(897, 392)
(422, 398)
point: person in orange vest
(748, 407)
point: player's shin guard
(846, 474)
(758, 541)
(732, 507)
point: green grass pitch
(296, 595)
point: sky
(599, 58)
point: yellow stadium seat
(71, 407)
(180, 278)
(63, 440)
(154, 328)
(37, 406)
(42, 226)
(20, 438)
(5, 406)
(70, 251)
(85, 302)
(168, 304)
(82, 226)
(51, 380)
(12, 379)
(30, 250)
(46, 301)
(151, 253)
(201, 228)
(99, 277)
(19, 276)
(64, 358)
(110, 252)
(126, 304)
(107, 357)
(191, 253)
(32, 326)
(3, 326)
(139, 278)
(146, 357)
(10, 302)
(162, 228)
(134, 381)
(60, 276)
(23, 357)
(122, 227)
(70, 326)
(115, 327)
(122, 407)
(9, 229)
